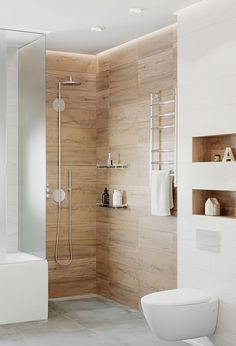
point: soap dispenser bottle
(105, 198)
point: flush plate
(207, 240)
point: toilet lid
(181, 296)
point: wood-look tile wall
(78, 153)
(136, 252)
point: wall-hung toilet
(183, 314)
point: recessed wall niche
(205, 148)
(227, 200)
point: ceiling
(69, 21)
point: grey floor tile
(132, 332)
(104, 317)
(83, 338)
(86, 304)
(88, 321)
(55, 323)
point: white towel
(161, 193)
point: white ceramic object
(228, 155)
(23, 289)
(117, 198)
(181, 315)
(212, 207)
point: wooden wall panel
(136, 252)
(79, 153)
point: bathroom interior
(117, 173)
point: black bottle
(105, 198)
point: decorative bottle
(105, 198)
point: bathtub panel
(23, 290)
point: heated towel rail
(163, 134)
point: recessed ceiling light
(97, 28)
(136, 10)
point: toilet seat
(181, 296)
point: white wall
(3, 65)
(207, 105)
(12, 150)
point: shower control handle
(69, 180)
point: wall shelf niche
(227, 200)
(204, 148)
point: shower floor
(87, 321)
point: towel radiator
(163, 131)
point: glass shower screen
(22, 143)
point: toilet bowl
(183, 314)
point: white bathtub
(23, 288)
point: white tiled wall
(2, 144)
(12, 150)
(207, 106)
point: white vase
(212, 207)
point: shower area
(71, 173)
(23, 265)
(122, 254)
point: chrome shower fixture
(59, 194)
(59, 102)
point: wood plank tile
(78, 152)
(69, 62)
(140, 249)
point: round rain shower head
(69, 81)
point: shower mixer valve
(48, 195)
(59, 195)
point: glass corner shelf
(123, 206)
(115, 165)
